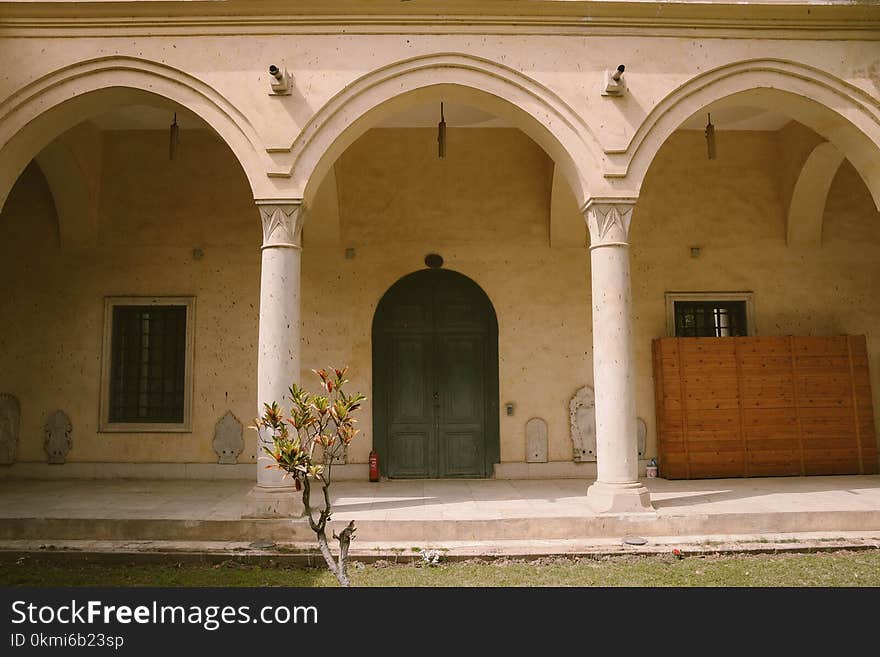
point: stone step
(306, 553)
(437, 531)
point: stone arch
(807, 205)
(40, 111)
(490, 86)
(842, 113)
(71, 166)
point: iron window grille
(147, 365)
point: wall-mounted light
(280, 81)
(615, 83)
(710, 138)
(173, 138)
(441, 135)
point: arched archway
(435, 378)
(44, 109)
(842, 113)
(486, 85)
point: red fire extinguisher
(374, 466)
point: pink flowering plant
(306, 441)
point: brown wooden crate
(792, 398)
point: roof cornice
(830, 19)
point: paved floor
(471, 517)
(446, 500)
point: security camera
(280, 82)
(615, 83)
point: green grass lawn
(823, 569)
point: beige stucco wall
(485, 208)
(152, 216)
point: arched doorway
(435, 378)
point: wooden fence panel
(763, 406)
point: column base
(273, 503)
(619, 498)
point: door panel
(435, 356)
(410, 374)
(462, 453)
(408, 454)
(462, 404)
(411, 441)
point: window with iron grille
(712, 315)
(147, 365)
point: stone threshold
(198, 471)
(305, 554)
(443, 531)
(247, 471)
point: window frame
(705, 297)
(104, 424)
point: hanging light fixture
(710, 138)
(441, 135)
(174, 138)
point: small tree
(323, 427)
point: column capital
(608, 221)
(282, 223)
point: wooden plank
(756, 445)
(695, 404)
(684, 422)
(659, 414)
(797, 410)
(816, 345)
(739, 395)
(855, 406)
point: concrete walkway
(438, 512)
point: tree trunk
(319, 526)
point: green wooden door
(435, 370)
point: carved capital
(282, 225)
(608, 222)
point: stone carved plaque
(228, 440)
(582, 418)
(57, 441)
(536, 441)
(10, 423)
(642, 436)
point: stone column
(617, 488)
(279, 342)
